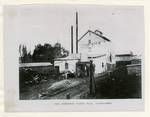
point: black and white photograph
(76, 52)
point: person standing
(92, 80)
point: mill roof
(89, 31)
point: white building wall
(98, 64)
(97, 45)
(61, 65)
(71, 65)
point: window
(110, 58)
(66, 65)
(89, 41)
(102, 64)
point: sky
(39, 24)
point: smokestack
(76, 32)
(72, 39)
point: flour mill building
(92, 45)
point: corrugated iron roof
(70, 57)
(35, 64)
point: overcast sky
(35, 24)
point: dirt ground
(33, 92)
(106, 88)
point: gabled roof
(89, 31)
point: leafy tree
(25, 57)
(47, 53)
(42, 53)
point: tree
(47, 53)
(25, 57)
(43, 53)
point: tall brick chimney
(76, 32)
(72, 39)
